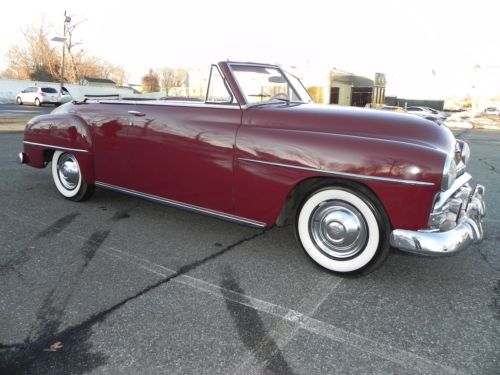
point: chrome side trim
(190, 207)
(55, 147)
(173, 103)
(340, 174)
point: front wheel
(343, 231)
(19, 100)
(68, 177)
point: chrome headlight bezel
(449, 173)
(462, 151)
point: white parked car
(39, 95)
(65, 96)
(426, 111)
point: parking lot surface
(119, 285)
(14, 117)
(24, 110)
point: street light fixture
(63, 39)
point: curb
(13, 123)
(12, 127)
(468, 125)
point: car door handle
(136, 113)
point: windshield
(261, 84)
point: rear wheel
(68, 177)
(37, 102)
(342, 230)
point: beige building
(347, 89)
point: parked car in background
(392, 108)
(426, 111)
(65, 96)
(492, 111)
(436, 119)
(257, 151)
(39, 95)
(437, 113)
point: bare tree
(70, 45)
(37, 59)
(150, 82)
(83, 65)
(118, 74)
(171, 77)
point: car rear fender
(62, 131)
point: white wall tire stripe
(349, 265)
(67, 193)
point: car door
(29, 95)
(112, 148)
(183, 151)
(24, 95)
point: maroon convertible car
(256, 151)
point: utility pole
(67, 20)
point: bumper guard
(468, 231)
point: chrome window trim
(190, 207)
(247, 104)
(55, 147)
(311, 100)
(173, 103)
(224, 80)
(339, 174)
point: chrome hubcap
(338, 229)
(68, 171)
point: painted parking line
(403, 358)
(300, 320)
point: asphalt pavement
(24, 110)
(119, 285)
(14, 117)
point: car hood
(358, 122)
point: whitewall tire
(68, 178)
(341, 230)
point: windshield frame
(284, 75)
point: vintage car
(353, 182)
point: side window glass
(217, 90)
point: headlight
(449, 173)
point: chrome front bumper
(468, 230)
